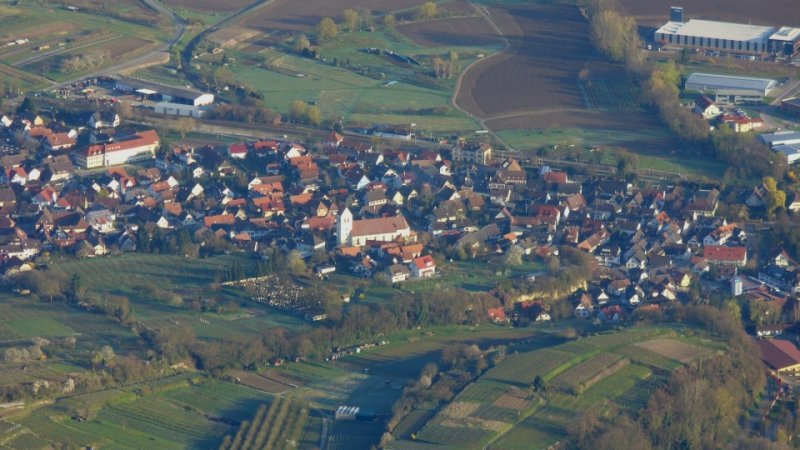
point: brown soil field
(134, 10)
(461, 31)
(767, 12)
(514, 399)
(548, 48)
(119, 47)
(677, 350)
(294, 15)
(258, 382)
(211, 6)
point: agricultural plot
(260, 382)
(583, 375)
(608, 93)
(455, 32)
(589, 373)
(347, 435)
(178, 415)
(208, 6)
(677, 350)
(523, 368)
(116, 29)
(279, 426)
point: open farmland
(547, 49)
(182, 414)
(677, 350)
(550, 87)
(209, 6)
(457, 32)
(777, 13)
(501, 410)
(295, 16)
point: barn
(728, 89)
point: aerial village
(97, 189)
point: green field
(361, 87)
(500, 411)
(180, 415)
(66, 33)
(179, 281)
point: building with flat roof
(722, 36)
(791, 106)
(781, 138)
(170, 99)
(728, 89)
(791, 151)
(786, 41)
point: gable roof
(779, 354)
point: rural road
(154, 55)
(789, 90)
(186, 55)
(506, 45)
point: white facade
(179, 109)
(723, 36)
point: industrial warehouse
(730, 90)
(169, 99)
(728, 37)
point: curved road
(177, 21)
(506, 45)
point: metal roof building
(729, 89)
(781, 138)
(173, 94)
(724, 36)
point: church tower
(344, 226)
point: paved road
(154, 55)
(789, 90)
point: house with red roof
(781, 356)
(724, 255)
(423, 267)
(238, 151)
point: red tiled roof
(724, 253)
(237, 149)
(425, 262)
(778, 353)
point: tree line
(616, 37)
(704, 405)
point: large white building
(139, 147)
(728, 89)
(170, 100)
(358, 232)
(722, 36)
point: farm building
(780, 355)
(723, 36)
(781, 138)
(791, 106)
(728, 89)
(171, 100)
